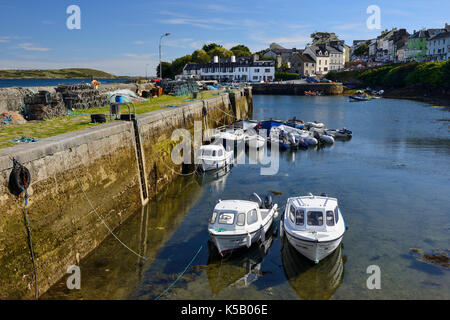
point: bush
(286, 76)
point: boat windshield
(208, 152)
(336, 214)
(315, 218)
(226, 218)
(330, 218)
(252, 217)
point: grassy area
(55, 73)
(60, 125)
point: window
(336, 214)
(241, 219)
(213, 218)
(326, 62)
(267, 70)
(252, 217)
(315, 218)
(320, 62)
(255, 77)
(300, 217)
(292, 213)
(220, 153)
(256, 70)
(226, 218)
(330, 218)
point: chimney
(233, 59)
(216, 59)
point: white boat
(228, 136)
(315, 124)
(254, 140)
(213, 157)
(300, 134)
(313, 225)
(339, 133)
(239, 223)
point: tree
(362, 50)
(200, 56)
(178, 64)
(166, 70)
(221, 52)
(209, 47)
(241, 51)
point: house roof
(441, 35)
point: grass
(64, 124)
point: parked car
(311, 80)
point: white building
(438, 47)
(321, 57)
(248, 69)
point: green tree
(221, 52)
(362, 50)
(166, 70)
(178, 65)
(200, 56)
(209, 47)
(241, 51)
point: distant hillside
(57, 73)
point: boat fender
(249, 240)
(19, 179)
(281, 229)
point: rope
(98, 215)
(17, 166)
(181, 274)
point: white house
(438, 47)
(248, 69)
(321, 57)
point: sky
(122, 37)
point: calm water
(5, 83)
(393, 184)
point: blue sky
(122, 37)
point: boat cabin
(237, 215)
(212, 151)
(313, 213)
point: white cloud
(139, 42)
(30, 47)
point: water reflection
(111, 271)
(313, 281)
(239, 270)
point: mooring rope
(181, 274)
(30, 243)
(101, 219)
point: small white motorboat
(254, 140)
(313, 225)
(228, 136)
(239, 223)
(315, 124)
(301, 134)
(213, 157)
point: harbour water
(392, 180)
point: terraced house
(438, 47)
(246, 69)
(417, 44)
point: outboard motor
(255, 198)
(268, 203)
(323, 194)
(291, 138)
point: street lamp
(160, 63)
(146, 67)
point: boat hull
(315, 251)
(227, 243)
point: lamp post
(146, 67)
(160, 63)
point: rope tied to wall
(20, 179)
